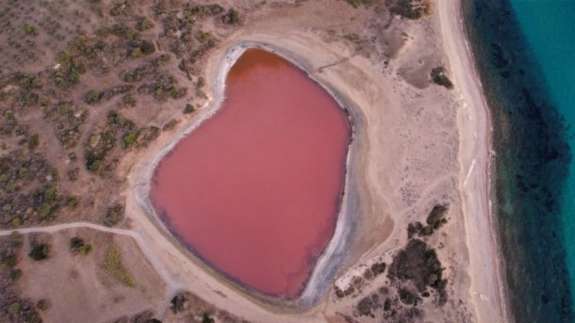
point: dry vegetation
(82, 86)
(414, 278)
(86, 85)
(72, 76)
(114, 266)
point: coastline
(488, 290)
(533, 158)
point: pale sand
(487, 288)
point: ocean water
(549, 29)
(524, 51)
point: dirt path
(142, 244)
(487, 290)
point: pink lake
(255, 190)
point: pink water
(255, 190)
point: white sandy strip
(487, 289)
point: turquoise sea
(525, 54)
(549, 29)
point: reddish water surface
(255, 190)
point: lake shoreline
(327, 263)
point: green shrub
(43, 304)
(130, 138)
(8, 260)
(232, 17)
(439, 77)
(46, 202)
(189, 109)
(114, 215)
(143, 24)
(69, 70)
(39, 251)
(206, 318)
(33, 141)
(410, 9)
(92, 97)
(15, 274)
(30, 30)
(79, 246)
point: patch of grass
(114, 266)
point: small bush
(9, 260)
(140, 48)
(189, 109)
(69, 70)
(39, 251)
(439, 77)
(130, 138)
(33, 141)
(206, 318)
(79, 246)
(436, 218)
(232, 17)
(178, 302)
(410, 9)
(15, 274)
(114, 215)
(30, 30)
(143, 24)
(92, 97)
(43, 304)
(170, 125)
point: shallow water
(255, 190)
(524, 51)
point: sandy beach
(487, 287)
